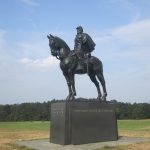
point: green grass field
(29, 130)
(26, 125)
(44, 125)
(134, 124)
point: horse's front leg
(70, 91)
(72, 86)
(69, 85)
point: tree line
(41, 111)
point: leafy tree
(41, 111)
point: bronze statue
(70, 64)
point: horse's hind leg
(102, 80)
(94, 80)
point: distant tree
(141, 111)
(41, 111)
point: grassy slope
(26, 125)
(12, 131)
(16, 131)
(44, 125)
(132, 128)
(134, 124)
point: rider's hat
(80, 28)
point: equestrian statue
(78, 61)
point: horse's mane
(62, 43)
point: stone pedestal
(80, 122)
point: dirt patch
(130, 133)
(139, 146)
(123, 143)
(7, 138)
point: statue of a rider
(84, 44)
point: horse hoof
(72, 98)
(68, 98)
(104, 99)
(99, 99)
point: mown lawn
(17, 131)
(25, 125)
(28, 130)
(134, 124)
(132, 128)
(45, 125)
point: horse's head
(58, 47)
(52, 44)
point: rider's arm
(84, 38)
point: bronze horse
(71, 65)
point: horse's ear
(51, 36)
(48, 36)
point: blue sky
(120, 29)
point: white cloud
(2, 40)
(34, 47)
(30, 2)
(136, 33)
(39, 63)
(4, 50)
(129, 42)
